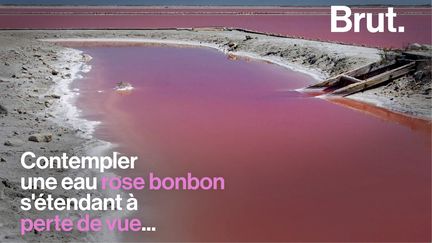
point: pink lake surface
(306, 22)
(296, 168)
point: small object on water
(86, 57)
(123, 86)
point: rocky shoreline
(36, 113)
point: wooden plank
(343, 80)
(368, 68)
(327, 83)
(350, 79)
(373, 81)
(418, 55)
(352, 73)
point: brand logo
(341, 20)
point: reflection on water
(415, 124)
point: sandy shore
(36, 99)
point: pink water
(297, 168)
(310, 23)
